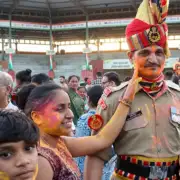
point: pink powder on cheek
(54, 120)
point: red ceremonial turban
(149, 26)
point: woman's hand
(89, 145)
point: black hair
(62, 77)
(40, 97)
(113, 76)
(175, 79)
(95, 94)
(70, 77)
(128, 78)
(15, 126)
(24, 76)
(86, 79)
(168, 75)
(99, 74)
(40, 78)
(22, 95)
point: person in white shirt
(6, 83)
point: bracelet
(125, 102)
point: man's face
(150, 61)
(105, 82)
(62, 80)
(4, 92)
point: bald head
(5, 79)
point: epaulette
(109, 90)
(172, 85)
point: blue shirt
(82, 130)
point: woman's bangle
(125, 102)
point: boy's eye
(5, 155)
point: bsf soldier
(148, 146)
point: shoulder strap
(109, 90)
(121, 86)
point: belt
(126, 168)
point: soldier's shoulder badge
(95, 122)
(102, 103)
(107, 91)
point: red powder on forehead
(43, 106)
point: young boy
(19, 137)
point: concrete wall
(66, 64)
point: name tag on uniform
(134, 115)
(175, 115)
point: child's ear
(36, 117)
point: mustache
(149, 64)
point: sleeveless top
(62, 163)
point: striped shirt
(97, 81)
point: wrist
(125, 102)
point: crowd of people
(47, 111)
(106, 128)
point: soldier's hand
(133, 86)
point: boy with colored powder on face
(18, 141)
(148, 146)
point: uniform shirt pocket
(135, 120)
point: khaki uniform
(149, 130)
